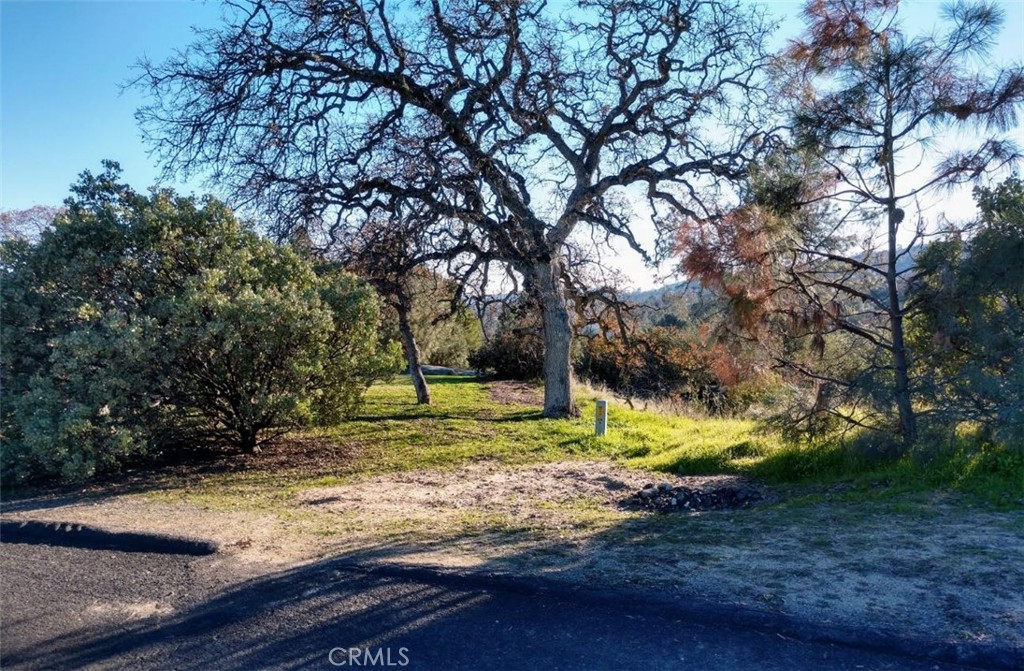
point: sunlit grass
(464, 424)
(392, 433)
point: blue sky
(62, 65)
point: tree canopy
(513, 125)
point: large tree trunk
(412, 351)
(558, 396)
(901, 391)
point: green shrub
(970, 326)
(142, 324)
(511, 356)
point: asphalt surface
(92, 538)
(72, 608)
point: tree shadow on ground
(283, 458)
(457, 379)
(294, 618)
(506, 417)
(444, 620)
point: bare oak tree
(385, 255)
(515, 121)
(391, 253)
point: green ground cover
(465, 424)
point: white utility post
(601, 417)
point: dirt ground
(926, 568)
(510, 392)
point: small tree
(261, 344)
(446, 333)
(141, 323)
(393, 256)
(875, 99)
(823, 247)
(970, 326)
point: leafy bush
(970, 327)
(663, 362)
(141, 324)
(516, 350)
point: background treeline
(665, 353)
(969, 329)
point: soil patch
(925, 565)
(524, 496)
(511, 392)
(518, 494)
(310, 456)
(295, 454)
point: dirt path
(927, 568)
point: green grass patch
(464, 424)
(391, 433)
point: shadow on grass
(426, 413)
(280, 463)
(280, 460)
(456, 379)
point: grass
(392, 433)
(465, 424)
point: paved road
(65, 608)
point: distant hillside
(676, 304)
(682, 303)
(653, 295)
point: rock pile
(666, 498)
